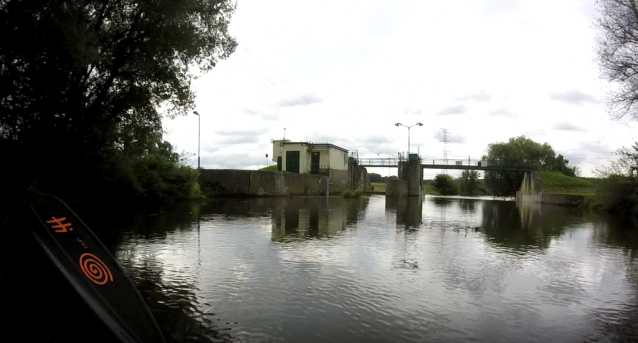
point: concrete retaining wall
(221, 182)
(266, 183)
(301, 184)
(225, 181)
(533, 191)
(396, 188)
(358, 175)
(338, 180)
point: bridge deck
(446, 164)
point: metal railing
(319, 169)
(386, 162)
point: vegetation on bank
(269, 168)
(82, 84)
(557, 183)
(468, 184)
(521, 151)
(348, 194)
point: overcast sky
(344, 72)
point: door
(314, 163)
(279, 163)
(292, 161)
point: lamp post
(417, 124)
(199, 125)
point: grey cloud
(574, 97)
(413, 111)
(503, 112)
(564, 126)
(587, 151)
(455, 109)
(261, 114)
(247, 139)
(225, 160)
(299, 100)
(244, 132)
(376, 139)
(451, 138)
(482, 96)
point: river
(316, 269)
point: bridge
(448, 164)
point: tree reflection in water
(172, 300)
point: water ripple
(317, 270)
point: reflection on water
(316, 269)
(314, 217)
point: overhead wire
(272, 71)
(269, 88)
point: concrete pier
(412, 172)
(396, 188)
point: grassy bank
(556, 183)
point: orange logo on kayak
(60, 225)
(95, 269)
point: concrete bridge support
(396, 188)
(531, 190)
(412, 172)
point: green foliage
(269, 168)
(617, 191)
(445, 185)
(348, 193)
(430, 189)
(469, 183)
(81, 82)
(619, 194)
(377, 178)
(521, 150)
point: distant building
(309, 158)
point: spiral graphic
(95, 269)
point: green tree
(445, 185)
(469, 183)
(617, 192)
(521, 150)
(81, 82)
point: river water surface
(384, 270)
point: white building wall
(338, 159)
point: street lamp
(417, 124)
(199, 125)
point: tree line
(82, 83)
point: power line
(256, 72)
(248, 65)
(284, 81)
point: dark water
(383, 270)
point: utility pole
(199, 127)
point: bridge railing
(381, 162)
(476, 163)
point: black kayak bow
(62, 285)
